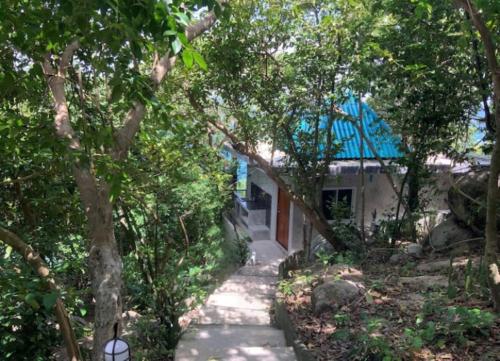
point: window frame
(353, 201)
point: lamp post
(116, 349)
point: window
(337, 203)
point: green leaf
(187, 58)
(182, 18)
(176, 46)
(198, 58)
(83, 312)
(417, 342)
(8, 252)
(49, 300)
(183, 39)
(30, 299)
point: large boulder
(467, 200)
(450, 234)
(333, 295)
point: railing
(249, 204)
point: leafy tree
(423, 85)
(102, 63)
(278, 72)
(485, 17)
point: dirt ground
(432, 309)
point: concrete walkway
(234, 324)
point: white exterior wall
(379, 197)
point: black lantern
(116, 349)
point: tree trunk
(34, 259)
(491, 231)
(362, 171)
(413, 193)
(104, 259)
(491, 246)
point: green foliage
(286, 287)
(371, 347)
(442, 325)
(171, 233)
(27, 329)
(242, 250)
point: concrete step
(240, 300)
(264, 270)
(220, 315)
(242, 284)
(241, 354)
(258, 232)
(227, 336)
(268, 251)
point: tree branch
(42, 270)
(55, 79)
(125, 135)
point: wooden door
(283, 219)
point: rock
(465, 197)
(320, 245)
(425, 224)
(444, 265)
(448, 233)
(396, 258)
(335, 294)
(424, 282)
(414, 250)
(343, 272)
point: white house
(266, 212)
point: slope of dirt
(415, 311)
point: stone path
(234, 324)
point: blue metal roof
(376, 129)
(347, 136)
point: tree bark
(491, 232)
(35, 261)
(104, 259)
(362, 171)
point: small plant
(286, 287)
(440, 325)
(242, 250)
(324, 257)
(342, 319)
(372, 347)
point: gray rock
(414, 250)
(320, 245)
(465, 197)
(448, 233)
(335, 295)
(424, 282)
(396, 258)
